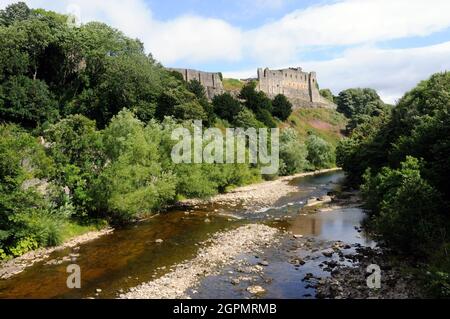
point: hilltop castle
(299, 87)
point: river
(129, 256)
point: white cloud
(391, 72)
(199, 39)
(194, 39)
(188, 39)
(347, 23)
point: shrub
(293, 153)
(282, 108)
(405, 209)
(226, 106)
(320, 152)
(246, 119)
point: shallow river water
(130, 256)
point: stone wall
(210, 80)
(298, 86)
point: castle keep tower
(299, 87)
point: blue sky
(388, 45)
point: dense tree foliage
(258, 103)
(282, 108)
(320, 152)
(226, 106)
(359, 105)
(402, 159)
(293, 153)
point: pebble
(256, 290)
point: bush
(293, 153)
(226, 106)
(246, 119)
(405, 209)
(320, 152)
(29, 214)
(134, 182)
(282, 108)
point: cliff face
(211, 81)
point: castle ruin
(299, 87)
(211, 81)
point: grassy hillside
(232, 84)
(325, 123)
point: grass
(325, 123)
(73, 229)
(232, 84)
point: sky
(388, 45)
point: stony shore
(350, 282)
(348, 275)
(224, 248)
(258, 195)
(17, 265)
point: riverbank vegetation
(400, 156)
(86, 118)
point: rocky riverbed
(257, 196)
(223, 248)
(350, 282)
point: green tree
(405, 209)
(359, 105)
(197, 88)
(259, 103)
(293, 153)
(226, 106)
(28, 217)
(134, 182)
(15, 12)
(27, 101)
(320, 152)
(76, 147)
(246, 119)
(282, 108)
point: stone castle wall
(210, 80)
(299, 87)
